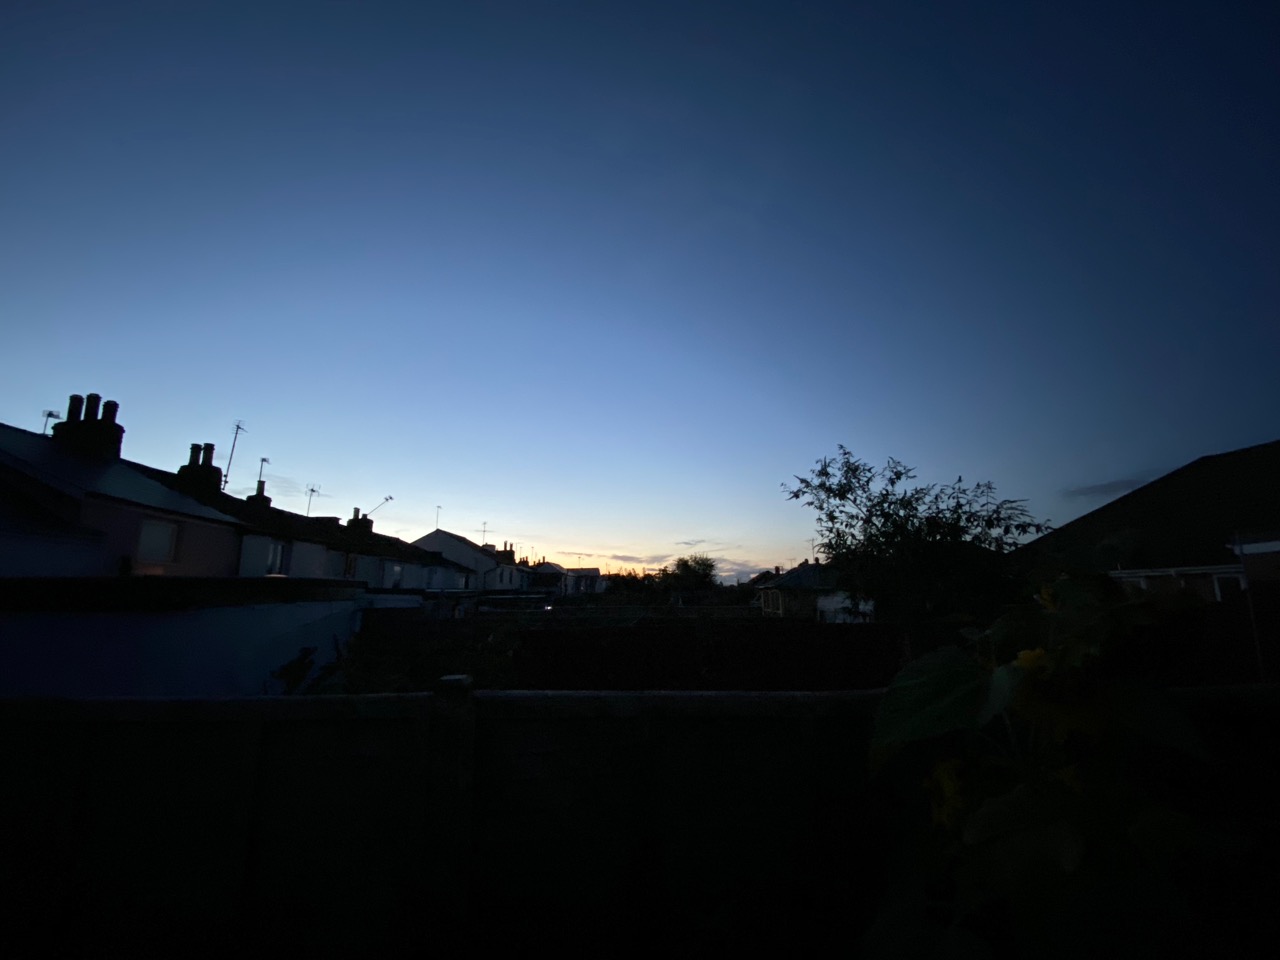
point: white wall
(254, 550)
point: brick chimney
(198, 475)
(358, 523)
(259, 499)
(87, 434)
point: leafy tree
(694, 572)
(919, 551)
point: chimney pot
(262, 488)
(206, 455)
(194, 459)
(75, 407)
(109, 411)
(91, 406)
(355, 514)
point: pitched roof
(327, 531)
(37, 456)
(40, 458)
(460, 538)
(1185, 518)
(807, 576)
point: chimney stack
(198, 475)
(358, 523)
(259, 499)
(84, 434)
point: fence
(338, 825)
(654, 823)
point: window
(157, 541)
(275, 557)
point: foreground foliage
(1057, 805)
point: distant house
(495, 570)
(810, 591)
(583, 580)
(1203, 527)
(549, 578)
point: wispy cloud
(1108, 488)
(731, 570)
(689, 543)
(282, 486)
(278, 486)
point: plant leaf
(941, 692)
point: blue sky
(603, 276)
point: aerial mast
(226, 477)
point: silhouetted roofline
(1183, 518)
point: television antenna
(262, 463)
(226, 477)
(384, 500)
(50, 415)
(437, 516)
(312, 490)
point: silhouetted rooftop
(41, 458)
(807, 576)
(1185, 518)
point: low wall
(166, 637)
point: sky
(597, 279)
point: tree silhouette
(918, 551)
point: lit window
(157, 541)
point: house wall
(836, 608)
(506, 577)
(445, 578)
(412, 576)
(802, 604)
(310, 560)
(481, 561)
(203, 549)
(255, 552)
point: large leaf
(941, 692)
